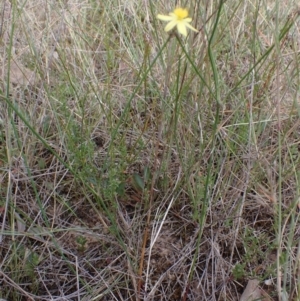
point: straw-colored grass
(141, 165)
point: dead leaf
(21, 225)
(252, 291)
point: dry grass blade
(141, 165)
(251, 292)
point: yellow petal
(181, 28)
(170, 25)
(191, 27)
(164, 18)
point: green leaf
(138, 182)
(147, 174)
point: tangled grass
(138, 165)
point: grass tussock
(141, 165)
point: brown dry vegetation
(130, 171)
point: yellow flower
(178, 18)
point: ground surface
(141, 166)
